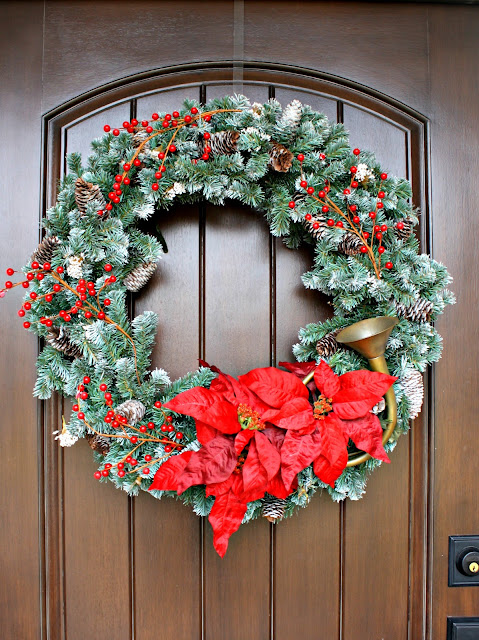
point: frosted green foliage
(123, 363)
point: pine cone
(44, 252)
(85, 192)
(418, 311)
(223, 143)
(281, 158)
(413, 386)
(98, 443)
(406, 231)
(320, 232)
(74, 268)
(350, 244)
(272, 508)
(58, 338)
(140, 275)
(132, 410)
(292, 114)
(138, 137)
(327, 345)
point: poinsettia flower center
(249, 418)
(322, 407)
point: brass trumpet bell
(369, 338)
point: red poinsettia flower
(240, 457)
(341, 412)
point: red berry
(116, 199)
(155, 116)
(206, 135)
(400, 225)
(86, 380)
(384, 227)
(149, 129)
(381, 194)
(8, 284)
(381, 250)
(75, 407)
(308, 216)
(172, 148)
(354, 184)
(384, 176)
(81, 415)
(158, 404)
(108, 267)
(372, 215)
(40, 276)
(379, 205)
(353, 169)
(303, 183)
(121, 473)
(105, 473)
(388, 265)
(300, 157)
(137, 162)
(107, 396)
(67, 317)
(107, 128)
(126, 124)
(179, 436)
(164, 427)
(346, 192)
(126, 166)
(379, 235)
(315, 225)
(151, 425)
(21, 313)
(155, 186)
(101, 315)
(111, 195)
(118, 178)
(108, 418)
(103, 387)
(168, 448)
(363, 249)
(116, 132)
(169, 419)
(330, 223)
(292, 204)
(143, 428)
(35, 265)
(377, 227)
(133, 439)
(205, 156)
(356, 220)
(325, 208)
(10, 272)
(107, 302)
(57, 287)
(109, 207)
(88, 314)
(84, 395)
(322, 194)
(130, 130)
(97, 475)
(162, 168)
(144, 123)
(339, 223)
(322, 156)
(134, 122)
(176, 114)
(148, 458)
(27, 306)
(366, 234)
(310, 190)
(353, 208)
(187, 118)
(356, 152)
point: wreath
(264, 443)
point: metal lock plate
(463, 561)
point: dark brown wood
(402, 77)
(22, 552)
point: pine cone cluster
(44, 252)
(58, 337)
(86, 192)
(418, 311)
(413, 386)
(281, 157)
(350, 244)
(406, 231)
(327, 345)
(132, 410)
(98, 443)
(272, 508)
(139, 276)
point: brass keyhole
(474, 567)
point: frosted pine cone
(74, 268)
(137, 278)
(176, 189)
(418, 311)
(138, 137)
(318, 230)
(44, 252)
(272, 508)
(281, 158)
(406, 231)
(413, 387)
(292, 114)
(65, 438)
(86, 192)
(223, 143)
(132, 410)
(363, 173)
(327, 345)
(98, 443)
(350, 244)
(58, 338)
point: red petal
(255, 477)
(300, 369)
(204, 432)
(218, 488)
(333, 457)
(276, 487)
(328, 471)
(166, 478)
(273, 386)
(361, 390)
(207, 406)
(275, 436)
(367, 435)
(225, 518)
(297, 453)
(242, 440)
(326, 380)
(211, 464)
(268, 454)
(296, 414)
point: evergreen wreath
(265, 443)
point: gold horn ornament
(369, 338)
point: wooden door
(82, 560)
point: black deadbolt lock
(468, 562)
